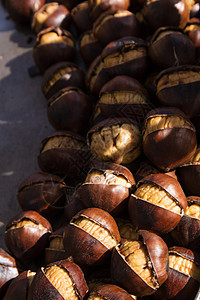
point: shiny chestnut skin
(81, 17)
(162, 219)
(62, 75)
(22, 11)
(99, 7)
(69, 109)
(179, 284)
(42, 192)
(102, 190)
(180, 87)
(113, 25)
(154, 13)
(156, 253)
(26, 236)
(52, 46)
(169, 47)
(110, 292)
(87, 248)
(172, 145)
(64, 153)
(53, 286)
(51, 14)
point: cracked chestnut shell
(51, 14)
(117, 140)
(113, 25)
(169, 47)
(157, 204)
(62, 75)
(52, 46)
(42, 192)
(91, 236)
(59, 280)
(64, 153)
(108, 188)
(26, 236)
(169, 138)
(183, 276)
(69, 109)
(140, 266)
(99, 7)
(22, 11)
(180, 87)
(110, 292)
(81, 16)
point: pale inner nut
(120, 143)
(192, 27)
(162, 122)
(62, 142)
(97, 231)
(107, 177)
(193, 211)
(127, 230)
(165, 33)
(179, 77)
(146, 169)
(53, 37)
(57, 75)
(61, 280)
(26, 223)
(40, 17)
(119, 57)
(56, 243)
(155, 194)
(87, 39)
(123, 97)
(94, 297)
(135, 254)
(196, 157)
(184, 266)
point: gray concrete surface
(23, 120)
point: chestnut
(61, 75)
(42, 192)
(59, 280)
(113, 25)
(192, 30)
(107, 188)
(117, 140)
(89, 47)
(64, 153)
(140, 266)
(22, 11)
(169, 47)
(81, 16)
(51, 14)
(183, 276)
(69, 109)
(169, 138)
(126, 229)
(180, 87)
(52, 46)
(90, 237)
(157, 204)
(110, 292)
(73, 204)
(26, 236)
(99, 7)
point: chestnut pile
(114, 212)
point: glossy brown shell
(106, 5)
(18, 289)
(111, 292)
(189, 175)
(81, 17)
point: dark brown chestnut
(110, 292)
(42, 192)
(114, 25)
(192, 29)
(26, 236)
(81, 17)
(73, 204)
(52, 46)
(169, 138)
(64, 153)
(157, 204)
(90, 237)
(117, 140)
(108, 188)
(22, 11)
(51, 14)
(169, 47)
(99, 7)
(180, 87)
(62, 75)
(140, 266)
(69, 109)
(60, 280)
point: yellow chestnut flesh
(62, 142)
(124, 97)
(193, 211)
(56, 243)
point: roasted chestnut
(140, 266)
(157, 204)
(26, 236)
(100, 6)
(90, 237)
(126, 229)
(110, 292)
(81, 17)
(169, 138)
(59, 280)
